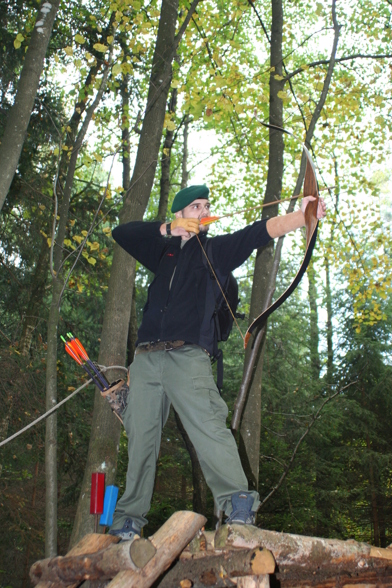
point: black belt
(158, 346)
(164, 346)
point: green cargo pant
(181, 377)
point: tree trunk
(19, 116)
(105, 431)
(184, 163)
(34, 305)
(328, 297)
(328, 290)
(165, 163)
(275, 170)
(54, 314)
(251, 420)
(315, 363)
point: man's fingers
(188, 224)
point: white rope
(49, 412)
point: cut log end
(262, 562)
(141, 551)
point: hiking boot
(117, 396)
(127, 532)
(242, 513)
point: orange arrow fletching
(208, 220)
(81, 350)
(71, 352)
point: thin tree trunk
(132, 332)
(165, 163)
(251, 420)
(328, 298)
(373, 496)
(328, 290)
(251, 443)
(54, 314)
(26, 580)
(34, 305)
(19, 116)
(314, 328)
(105, 432)
(184, 165)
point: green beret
(188, 195)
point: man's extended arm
(281, 225)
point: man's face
(199, 208)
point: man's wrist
(165, 230)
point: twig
(304, 434)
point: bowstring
(221, 289)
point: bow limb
(311, 224)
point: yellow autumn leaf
(107, 231)
(80, 287)
(79, 39)
(17, 44)
(110, 39)
(49, 241)
(97, 157)
(84, 233)
(171, 126)
(175, 84)
(68, 50)
(67, 242)
(91, 260)
(72, 222)
(116, 69)
(94, 246)
(100, 47)
(77, 238)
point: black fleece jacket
(178, 312)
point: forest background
(106, 111)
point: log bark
(169, 541)
(89, 544)
(378, 576)
(232, 564)
(296, 550)
(101, 565)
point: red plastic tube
(97, 493)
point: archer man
(172, 359)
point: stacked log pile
(180, 554)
